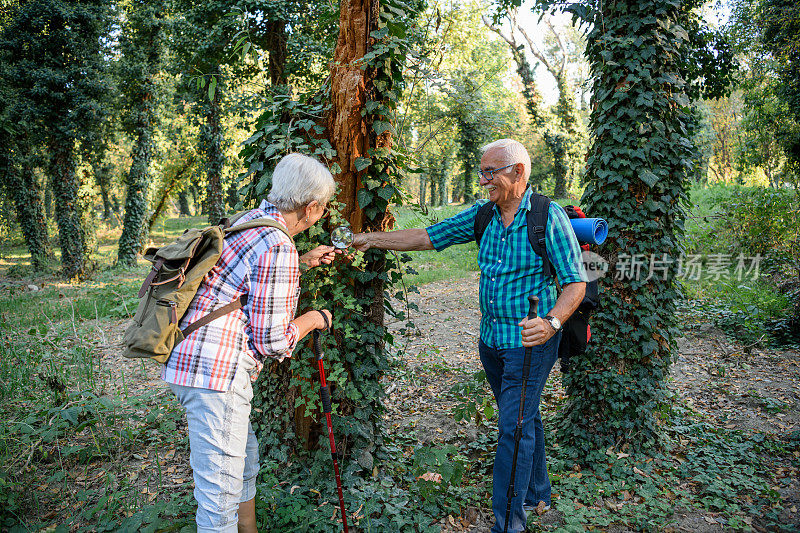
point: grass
(75, 425)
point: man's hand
(319, 256)
(535, 331)
(360, 242)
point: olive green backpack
(178, 269)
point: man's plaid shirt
(510, 269)
(262, 263)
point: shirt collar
(271, 211)
(525, 202)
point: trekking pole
(325, 395)
(526, 366)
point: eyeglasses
(325, 212)
(489, 174)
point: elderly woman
(211, 371)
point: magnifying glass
(341, 237)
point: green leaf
(361, 163)
(648, 178)
(364, 198)
(212, 88)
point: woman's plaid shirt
(510, 269)
(259, 262)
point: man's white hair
(511, 152)
(299, 180)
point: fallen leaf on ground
(431, 476)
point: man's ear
(519, 171)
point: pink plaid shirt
(262, 263)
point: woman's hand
(322, 324)
(319, 256)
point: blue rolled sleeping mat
(590, 230)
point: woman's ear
(310, 207)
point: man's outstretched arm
(401, 240)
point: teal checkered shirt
(510, 269)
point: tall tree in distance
(17, 177)
(142, 45)
(59, 48)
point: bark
(276, 47)
(347, 128)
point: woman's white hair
(299, 180)
(511, 152)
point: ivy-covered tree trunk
(636, 179)
(134, 231)
(363, 153)
(23, 187)
(434, 193)
(212, 144)
(183, 203)
(66, 183)
(569, 144)
(102, 178)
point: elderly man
(510, 272)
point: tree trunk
(434, 194)
(212, 142)
(24, 188)
(134, 229)
(616, 386)
(350, 130)
(66, 183)
(102, 180)
(166, 192)
(183, 203)
(423, 188)
(276, 48)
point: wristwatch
(554, 322)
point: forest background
(123, 123)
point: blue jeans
(504, 372)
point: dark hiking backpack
(576, 330)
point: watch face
(556, 323)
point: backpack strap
(482, 219)
(537, 226)
(215, 314)
(227, 228)
(159, 262)
(264, 222)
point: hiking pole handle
(533, 309)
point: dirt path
(734, 386)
